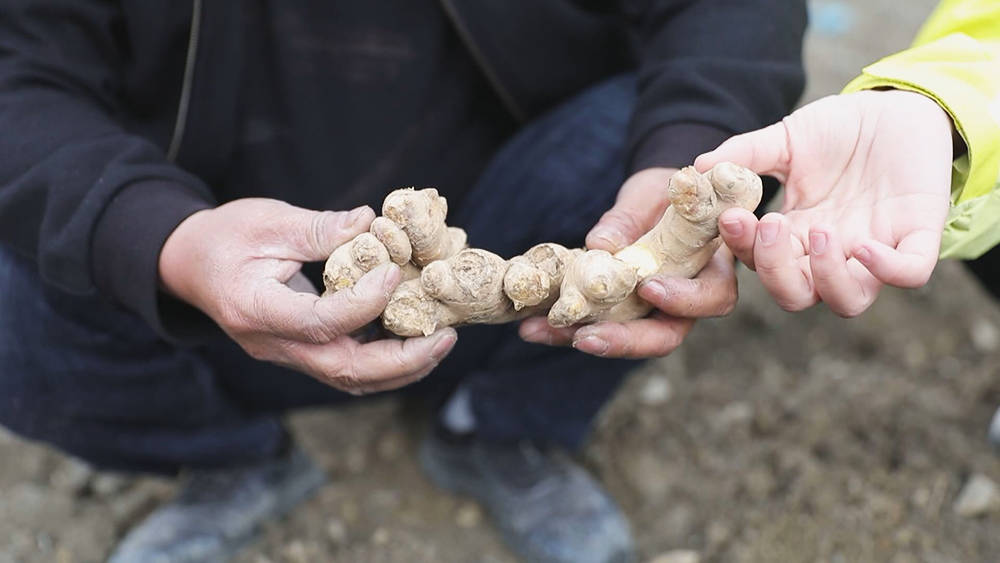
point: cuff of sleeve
(126, 248)
(675, 145)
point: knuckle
(315, 331)
(343, 373)
(322, 327)
(402, 363)
(768, 269)
(318, 228)
(347, 380)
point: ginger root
(477, 286)
(410, 233)
(601, 286)
(446, 285)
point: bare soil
(768, 437)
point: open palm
(867, 179)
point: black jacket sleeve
(71, 175)
(709, 69)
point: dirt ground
(767, 437)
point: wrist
(179, 256)
(926, 110)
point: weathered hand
(867, 178)
(236, 263)
(678, 301)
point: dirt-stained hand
(235, 262)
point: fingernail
(443, 345)
(655, 291)
(863, 255)
(356, 215)
(817, 242)
(610, 235)
(768, 233)
(733, 228)
(592, 345)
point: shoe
(217, 512)
(548, 508)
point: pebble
(649, 476)
(985, 336)
(71, 477)
(336, 530)
(106, 484)
(656, 391)
(979, 496)
(735, 416)
(468, 516)
(297, 552)
(380, 537)
(678, 556)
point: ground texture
(768, 437)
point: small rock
(336, 530)
(106, 484)
(678, 556)
(656, 391)
(985, 336)
(734, 416)
(468, 516)
(71, 477)
(296, 552)
(979, 496)
(648, 475)
(380, 537)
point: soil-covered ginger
(446, 284)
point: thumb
(640, 204)
(314, 235)
(765, 151)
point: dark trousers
(93, 380)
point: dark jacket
(118, 116)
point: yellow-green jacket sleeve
(956, 61)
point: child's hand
(867, 180)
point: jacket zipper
(184, 105)
(477, 55)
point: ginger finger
(600, 287)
